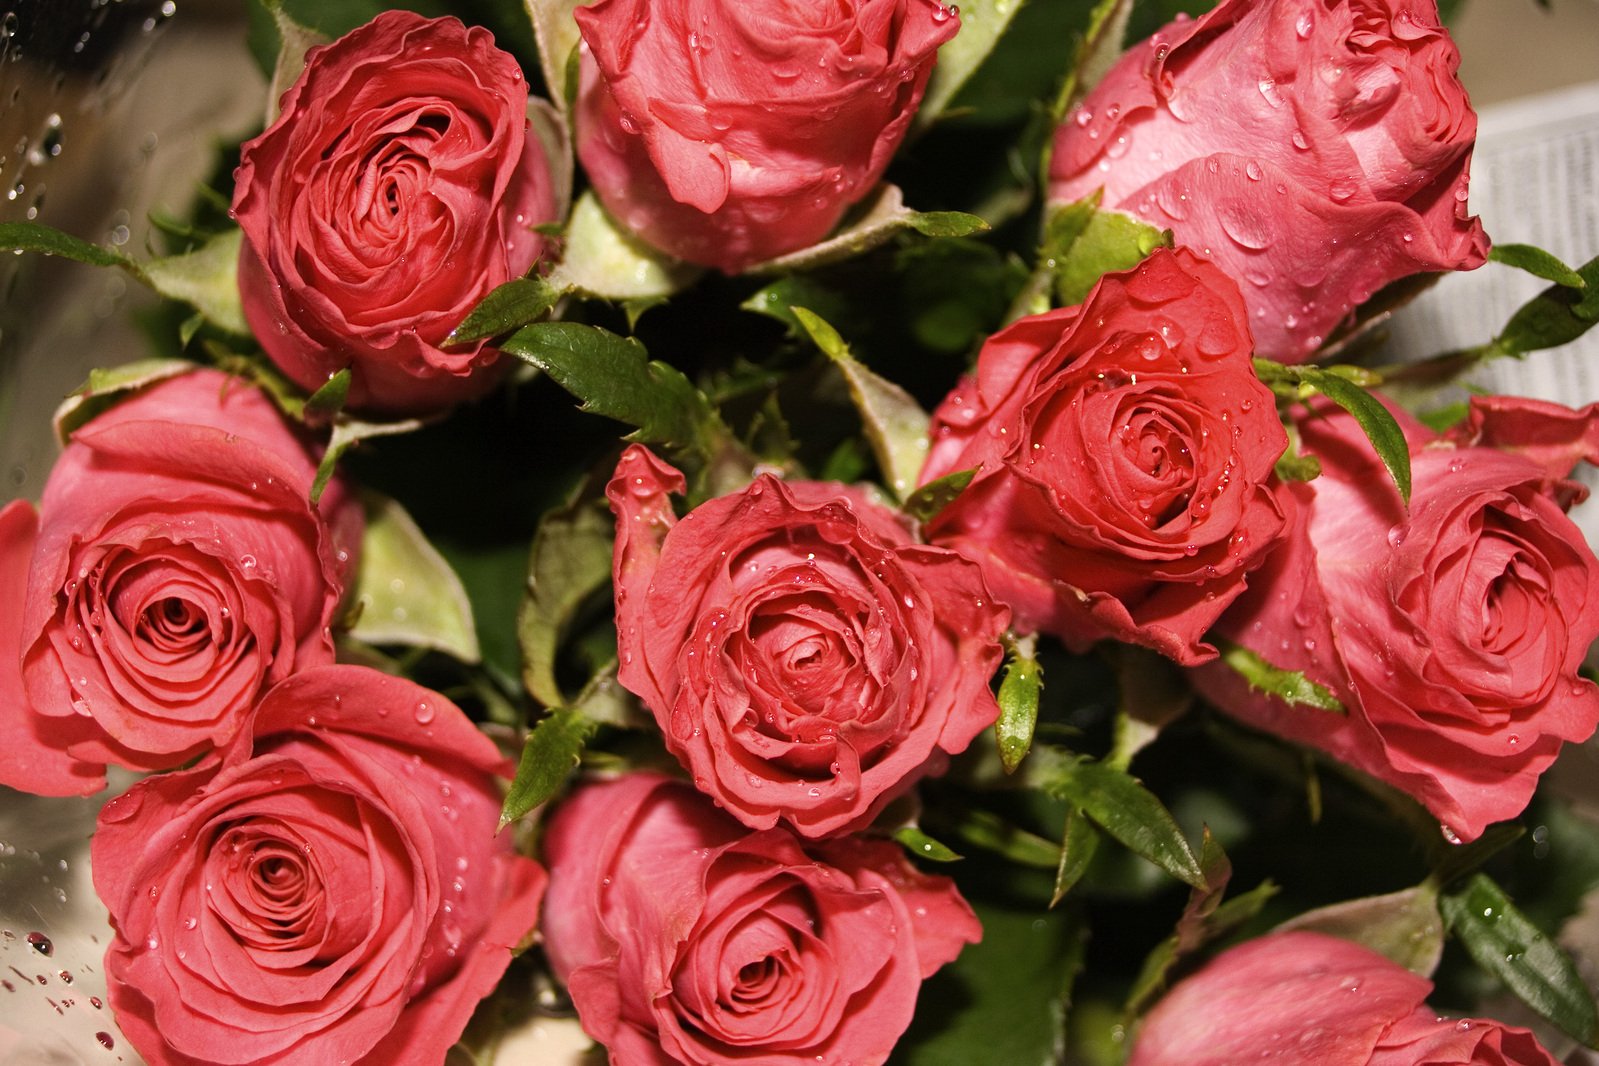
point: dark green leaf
(348, 432)
(1538, 263)
(1290, 686)
(1019, 691)
(983, 22)
(1191, 930)
(986, 830)
(33, 237)
(1379, 425)
(1558, 315)
(510, 306)
(1403, 926)
(1298, 467)
(329, 399)
(570, 562)
(1507, 945)
(1128, 811)
(925, 503)
(550, 755)
(613, 376)
(1079, 840)
(923, 846)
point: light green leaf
(1099, 49)
(405, 592)
(604, 260)
(1019, 692)
(1505, 943)
(1085, 243)
(348, 432)
(295, 40)
(1290, 686)
(206, 278)
(983, 22)
(923, 846)
(895, 424)
(613, 376)
(558, 37)
(1403, 926)
(510, 306)
(569, 563)
(925, 503)
(328, 401)
(1538, 263)
(871, 223)
(549, 756)
(1128, 811)
(1153, 693)
(105, 387)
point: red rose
(178, 569)
(726, 134)
(1122, 450)
(1451, 632)
(398, 186)
(1311, 998)
(1314, 151)
(687, 939)
(336, 895)
(806, 658)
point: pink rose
(684, 938)
(1314, 151)
(726, 134)
(1310, 998)
(805, 658)
(1122, 451)
(336, 894)
(398, 186)
(1451, 632)
(175, 570)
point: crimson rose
(1311, 998)
(175, 570)
(686, 939)
(725, 134)
(1452, 630)
(1314, 151)
(1122, 450)
(806, 658)
(398, 186)
(334, 894)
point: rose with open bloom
(397, 188)
(1451, 631)
(331, 890)
(805, 657)
(685, 938)
(1304, 997)
(726, 134)
(1316, 151)
(1122, 451)
(175, 570)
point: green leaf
(1292, 467)
(1404, 927)
(1558, 315)
(986, 830)
(106, 387)
(294, 41)
(33, 237)
(602, 259)
(983, 22)
(206, 278)
(1019, 691)
(329, 399)
(1083, 243)
(348, 432)
(1506, 944)
(895, 424)
(557, 35)
(1078, 842)
(1191, 930)
(779, 299)
(1290, 686)
(871, 223)
(613, 376)
(1153, 693)
(1344, 387)
(510, 306)
(405, 592)
(923, 846)
(925, 503)
(569, 563)
(1538, 263)
(550, 755)
(1128, 811)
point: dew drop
(105, 1038)
(40, 943)
(424, 713)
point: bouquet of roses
(1034, 629)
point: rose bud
(805, 658)
(685, 938)
(174, 572)
(332, 890)
(1122, 451)
(1311, 998)
(1314, 151)
(727, 134)
(1452, 631)
(399, 185)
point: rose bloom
(174, 571)
(1316, 151)
(1310, 998)
(1452, 632)
(726, 134)
(1122, 451)
(805, 657)
(398, 186)
(336, 893)
(685, 938)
